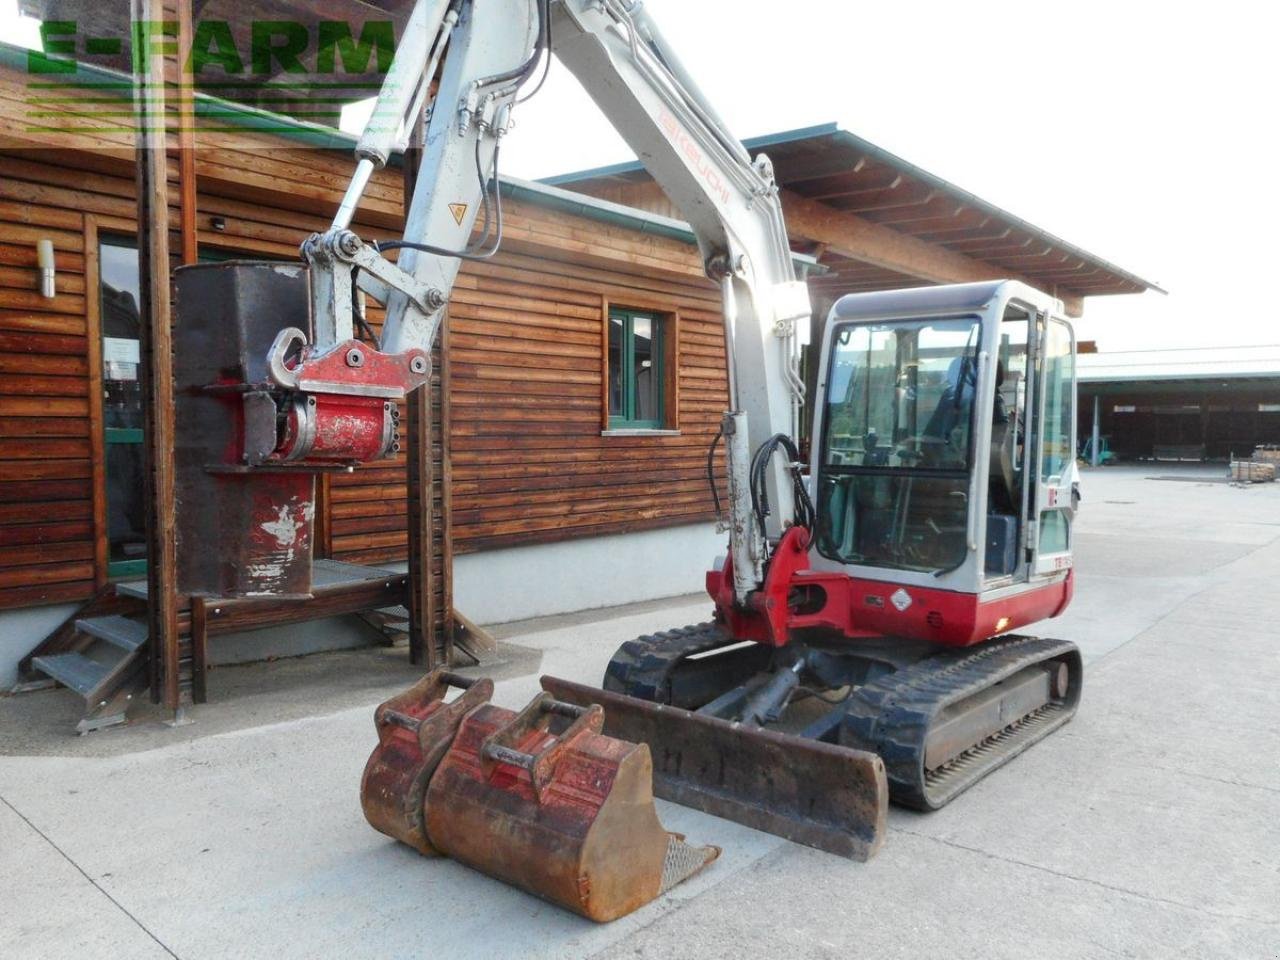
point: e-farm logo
(260, 48)
(266, 73)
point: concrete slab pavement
(1149, 827)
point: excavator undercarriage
(938, 720)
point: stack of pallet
(1266, 454)
(1249, 471)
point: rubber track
(642, 667)
(892, 715)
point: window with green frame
(637, 385)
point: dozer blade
(567, 816)
(826, 796)
(414, 731)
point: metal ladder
(107, 669)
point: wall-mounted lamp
(218, 223)
(44, 258)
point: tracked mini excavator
(863, 639)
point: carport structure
(1208, 403)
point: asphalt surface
(1148, 827)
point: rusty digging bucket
(541, 799)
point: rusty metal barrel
(568, 815)
(415, 730)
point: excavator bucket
(826, 796)
(415, 730)
(543, 800)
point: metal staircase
(100, 654)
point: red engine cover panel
(794, 597)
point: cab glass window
(901, 394)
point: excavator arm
(481, 52)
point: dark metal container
(242, 530)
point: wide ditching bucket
(541, 799)
(820, 794)
(415, 730)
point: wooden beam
(422, 611)
(97, 435)
(199, 650)
(849, 235)
(157, 365)
(446, 612)
(186, 138)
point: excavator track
(646, 667)
(943, 723)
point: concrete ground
(1149, 827)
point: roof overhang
(834, 181)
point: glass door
(1057, 448)
(120, 322)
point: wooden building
(581, 374)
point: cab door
(1055, 454)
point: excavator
(863, 645)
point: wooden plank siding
(523, 460)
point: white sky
(1146, 133)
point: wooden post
(422, 612)
(157, 359)
(199, 650)
(97, 434)
(186, 138)
(446, 492)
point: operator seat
(1003, 492)
(1003, 477)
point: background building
(1214, 403)
(581, 375)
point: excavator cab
(946, 419)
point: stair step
(132, 588)
(119, 631)
(73, 670)
(394, 613)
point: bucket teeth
(541, 799)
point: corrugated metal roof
(1199, 363)
(847, 173)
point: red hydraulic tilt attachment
(541, 798)
(340, 408)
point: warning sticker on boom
(459, 210)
